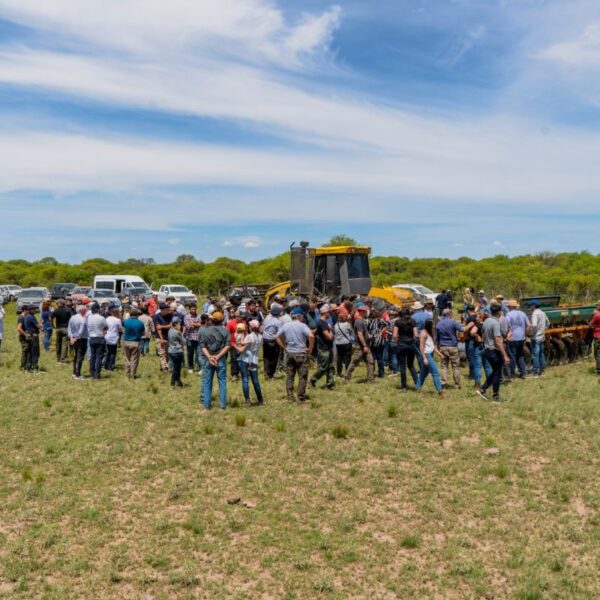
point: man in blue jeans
(215, 342)
(520, 328)
(539, 324)
(495, 353)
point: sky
(154, 128)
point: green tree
(342, 240)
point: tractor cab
(330, 271)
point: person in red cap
(361, 351)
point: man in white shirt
(78, 338)
(114, 330)
(539, 324)
(97, 328)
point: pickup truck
(180, 292)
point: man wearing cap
(133, 331)
(446, 333)
(520, 328)
(595, 326)
(271, 350)
(297, 340)
(361, 351)
(495, 353)
(503, 304)
(324, 336)
(32, 329)
(539, 324)
(162, 323)
(215, 343)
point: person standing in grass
(404, 333)
(162, 323)
(297, 341)
(78, 337)
(113, 333)
(539, 324)
(176, 345)
(248, 359)
(343, 337)
(271, 351)
(97, 329)
(148, 323)
(46, 316)
(520, 328)
(428, 352)
(60, 320)
(446, 330)
(215, 342)
(133, 332)
(595, 325)
(32, 329)
(495, 353)
(361, 351)
(23, 337)
(324, 336)
(191, 325)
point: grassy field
(113, 489)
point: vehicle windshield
(423, 290)
(358, 266)
(103, 294)
(179, 288)
(33, 294)
(13, 287)
(81, 290)
(139, 290)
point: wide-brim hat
(513, 304)
(417, 306)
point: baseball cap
(163, 305)
(254, 324)
(325, 309)
(217, 316)
(297, 311)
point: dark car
(61, 290)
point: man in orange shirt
(595, 325)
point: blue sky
(146, 128)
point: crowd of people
(293, 336)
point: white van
(122, 284)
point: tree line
(574, 275)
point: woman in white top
(248, 361)
(428, 351)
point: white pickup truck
(180, 292)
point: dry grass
(113, 489)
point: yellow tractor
(330, 272)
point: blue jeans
(47, 338)
(517, 357)
(480, 363)
(470, 349)
(392, 356)
(145, 346)
(193, 354)
(435, 374)
(538, 356)
(97, 349)
(248, 371)
(209, 372)
(377, 352)
(494, 358)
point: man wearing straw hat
(520, 328)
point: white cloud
(227, 244)
(498, 244)
(173, 241)
(251, 245)
(583, 51)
